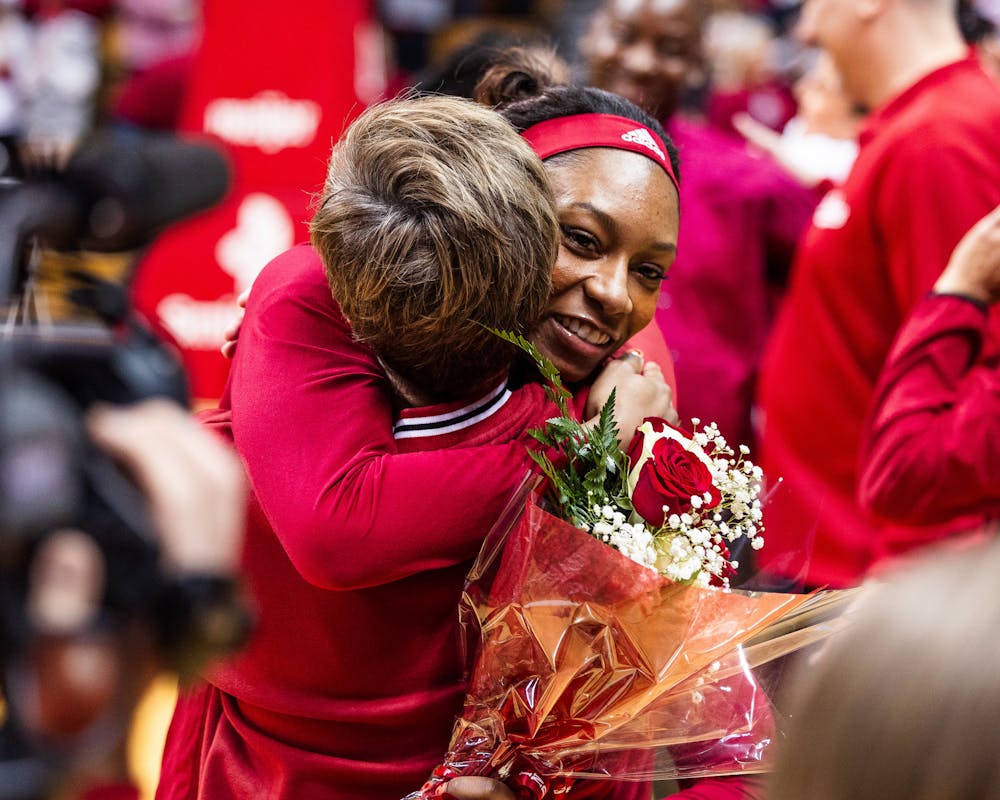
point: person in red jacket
(875, 247)
(933, 445)
(364, 527)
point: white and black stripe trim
(459, 419)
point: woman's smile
(581, 329)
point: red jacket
(928, 168)
(933, 447)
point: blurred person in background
(904, 703)
(15, 49)
(153, 48)
(981, 26)
(741, 53)
(819, 144)
(928, 168)
(742, 214)
(932, 448)
(52, 52)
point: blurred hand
(758, 134)
(194, 482)
(476, 789)
(640, 391)
(771, 142)
(974, 266)
(232, 332)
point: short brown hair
(436, 218)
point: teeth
(584, 330)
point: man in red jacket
(928, 168)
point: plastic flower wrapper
(590, 665)
(588, 661)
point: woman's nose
(608, 286)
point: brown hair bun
(520, 73)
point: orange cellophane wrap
(587, 664)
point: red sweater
(357, 547)
(928, 168)
(933, 446)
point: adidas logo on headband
(641, 136)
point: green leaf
(559, 394)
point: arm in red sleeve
(934, 439)
(312, 418)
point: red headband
(578, 131)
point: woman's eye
(652, 272)
(579, 239)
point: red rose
(667, 469)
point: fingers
(471, 788)
(653, 371)
(231, 334)
(974, 267)
(195, 484)
(633, 358)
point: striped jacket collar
(446, 418)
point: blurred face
(644, 50)
(823, 104)
(619, 218)
(834, 26)
(150, 31)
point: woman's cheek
(643, 308)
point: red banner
(275, 83)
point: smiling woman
(614, 175)
(613, 257)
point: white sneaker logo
(641, 136)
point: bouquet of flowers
(628, 661)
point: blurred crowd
(804, 333)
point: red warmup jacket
(360, 535)
(933, 446)
(928, 168)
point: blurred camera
(82, 593)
